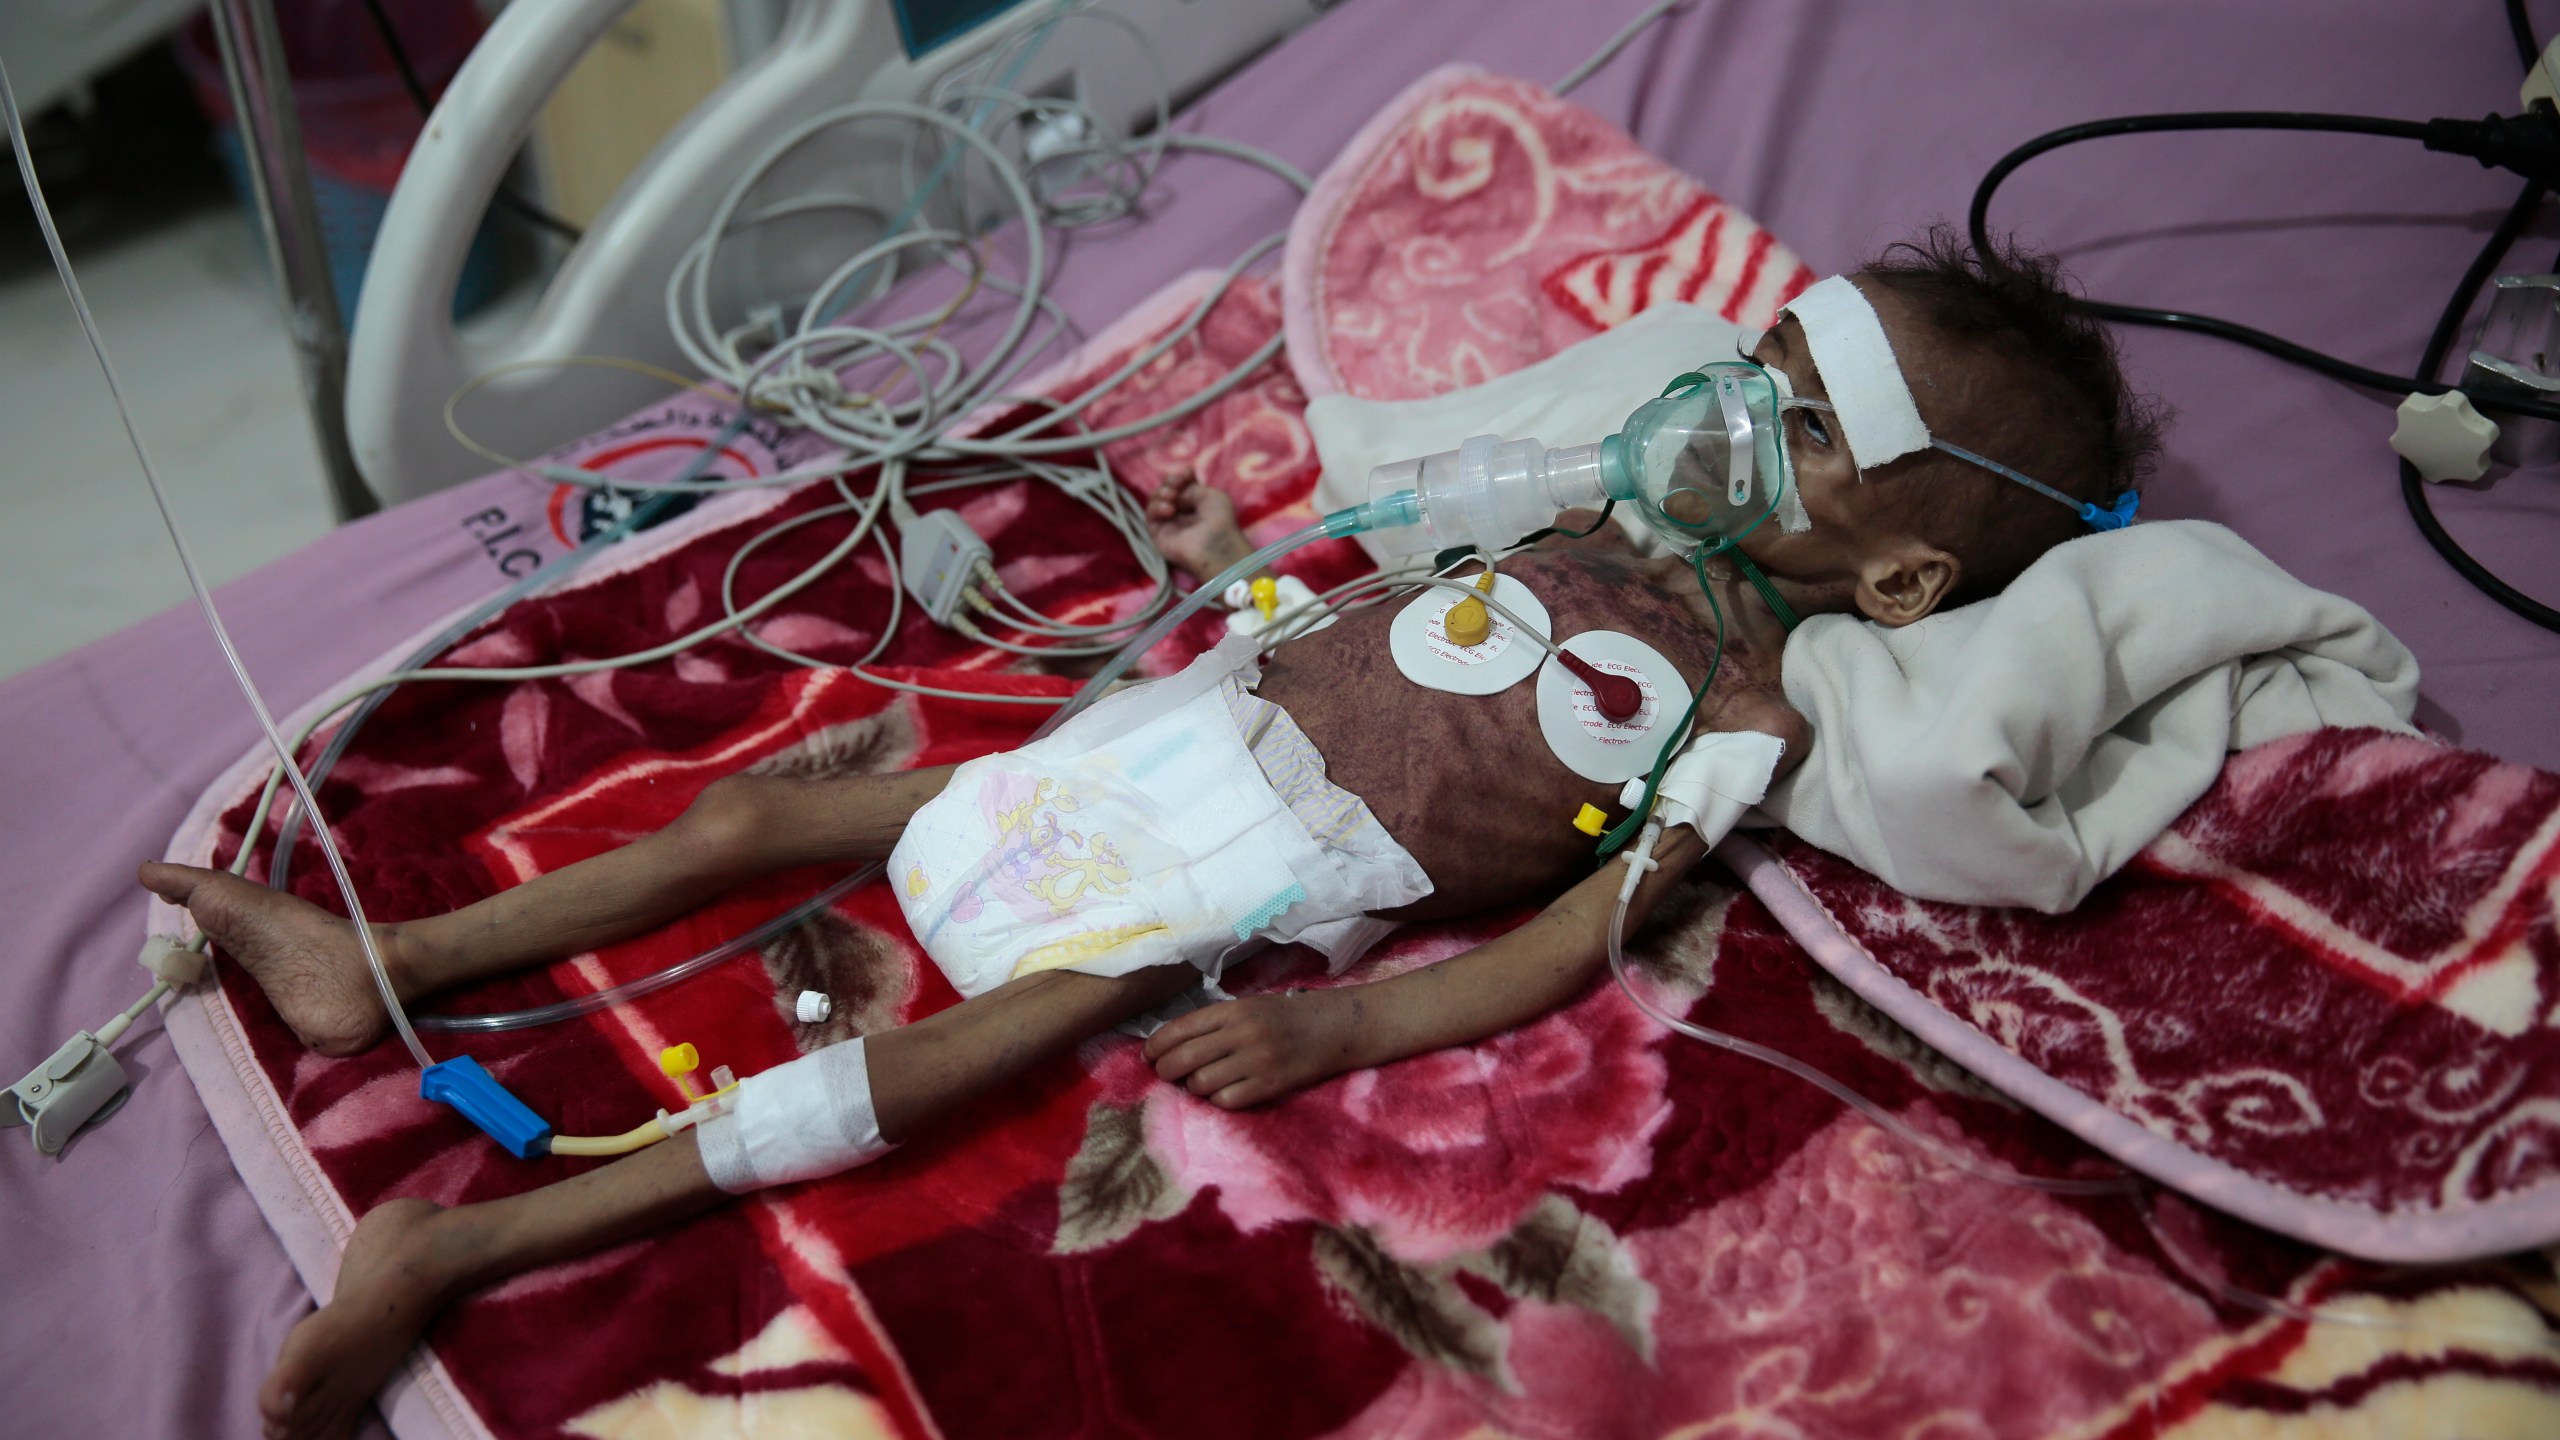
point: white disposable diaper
(1144, 832)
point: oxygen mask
(1703, 465)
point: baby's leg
(308, 961)
(409, 1258)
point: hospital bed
(149, 1294)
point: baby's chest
(1470, 783)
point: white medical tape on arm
(1721, 774)
(796, 1121)
(1877, 414)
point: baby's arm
(1265, 1046)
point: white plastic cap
(814, 1007)
(1245, 618)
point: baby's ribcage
(1466, 782)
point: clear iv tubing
(195, 578)
(1395, 509)
(570, 1009)
(1639, 860)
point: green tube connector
(1404, 507)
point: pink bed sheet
(160, 1294)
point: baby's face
(1849, 513)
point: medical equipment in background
(2443, 434)
(63, 46)
(406, 357)
(82, 1080)
(2517, 356)
(657, 62)
(253, 68)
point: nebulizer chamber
(1701, 461)
(1488, 492)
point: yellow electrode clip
(680, 1061)
(1266, 595)
(1592, 821)
(1468, 623)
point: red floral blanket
(1585, 1227)
(2322, 1000)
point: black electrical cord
(1977, 222)
(2439, 343)
(515, 204)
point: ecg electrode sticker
(1589, 743)
(1435, 635)
(1586, 709)
(1419, 641)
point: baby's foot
(390, 1284)
(306, 959)
(1195, 527)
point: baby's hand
(1259, 1048)
(1195, 527)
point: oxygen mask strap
(1777, 603)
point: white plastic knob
(814, 1007)
(2444, 436)
(2538, 86)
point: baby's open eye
(1817, 426)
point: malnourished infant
(1362, 793)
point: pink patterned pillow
(1479, 224)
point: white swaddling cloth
(2018, 750)
(1146, 832)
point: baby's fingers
(1201, 1045)
(1252, 1090)
(1180, 1028)
(1173, 496)
(1182, 1061)
(1223, 1073)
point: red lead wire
(1617, 696)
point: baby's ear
(1906, 581)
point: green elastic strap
(1786, 613)
(1625, 830)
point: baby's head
(2000, 363)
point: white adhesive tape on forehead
(1877, 414)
